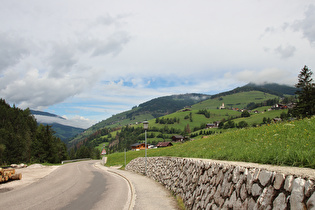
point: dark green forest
(168, 104)
(23, 140)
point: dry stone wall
(212, 185)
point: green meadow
(286, 144)
(237, 100)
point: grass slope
(215, 114)
(237, 100)
(145, 111)
(218, 114)
(287, 143)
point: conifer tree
(306, 94)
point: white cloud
(285, 52)
(111, 55)
(76, 121)
(306, 25)
(13, 49)
(272, 75)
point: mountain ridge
(63, 130)
(272, 88)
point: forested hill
(58, 124)
(22, 140)
(271, 88)
(169, 104)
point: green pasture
(286, 143)
(237, 100)
(258, 118)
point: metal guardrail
(75, 160)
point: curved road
(79, 185)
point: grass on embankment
(287, 143)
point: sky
(86, 60)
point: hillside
(146, 111)
(287, 143)
(65, 132)
(191, 120)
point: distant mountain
(63, 128)
(271, 88)
(34, 112)
(64, 132)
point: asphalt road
(78, 185)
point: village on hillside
(180, 138)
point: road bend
(78, 185)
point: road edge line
(131, 187)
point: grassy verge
(287, 143)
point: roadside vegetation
(289, 143)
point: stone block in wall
(216, 168)
(243, 193)
(280, 202)
(219, 178)
(215, 207)
(210, 171)
(251, 203)
(311, 202)
(212, 180)
(217, 196)
(256, 190)
(250, 181)
(236, 174)
(208, 207)
(238, 204)
(227, 188)
(231, 200)
(265, 199)
(309, 188)
(190, 202)
(278, 182)
(195, 177)
(265, 177)
(288, 183)
(256, 174)
(297, 194)
(238, 186)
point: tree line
(166, 120)
(23, 140)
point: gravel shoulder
(30, 174)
